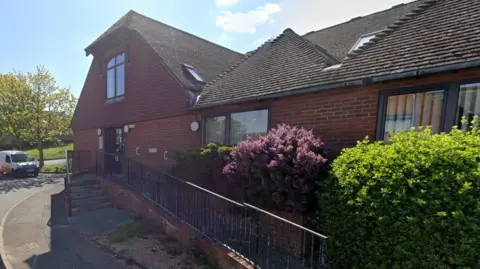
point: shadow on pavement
(8, 183)
(61, 241)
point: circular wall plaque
(99, 131)
(194, 126)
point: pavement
(37, 232)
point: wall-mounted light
(99, 131)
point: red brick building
(412, 65)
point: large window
(468, 104)
(236, 127)
(248, 125)
(405, 111)
(116, 76)
(215, 130)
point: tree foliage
(279, 170)
(410, 203)
(34, 108)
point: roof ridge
(394, 26)
(361, 17)
(184, 32)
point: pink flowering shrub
(279, 170)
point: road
(14, 190)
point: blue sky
(54, 33)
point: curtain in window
(248, 125)
(413, 110)
(215, 130)
(468, 104)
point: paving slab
(97, 222)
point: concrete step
(89, 201)
(86, 194)
(82, 209)
(84, 188)
(83, 182)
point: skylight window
(362, 40)
(193, 72)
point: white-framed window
(116, 76)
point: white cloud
(226, 2)
(247, 22)
(309, 15)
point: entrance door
(114, 150)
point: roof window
(193, 72)
(362, 40)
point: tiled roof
(176, 47)
(289, 61)
(437, 33)
(339, 39)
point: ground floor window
(248, 125)
(468, 104)
(440, 107)
(405, 111)
(215, 130)
(236, 127)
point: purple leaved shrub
(279, 170)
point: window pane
(195, 75)
(111, 62)
(413, 110)
(468, 104)
(121, 58)
(120, 80)
(215, 130)
(110, 83)
(248, 125)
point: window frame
(227, 116)
(114, 67)
(450, 102)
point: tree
(52, 109)
(34, 108)
(15, 105)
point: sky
(54, 33)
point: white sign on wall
(152, 150)
(100, 142)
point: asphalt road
(14, 190)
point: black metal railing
(264, 239)
(80, 161)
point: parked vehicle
(18, 163)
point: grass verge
(54, 168)
(52, 153)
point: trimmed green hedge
(203, 166)
(411, 203)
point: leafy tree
(15, 105)
(34, 108)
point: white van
(18, 163)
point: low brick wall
(127, 199)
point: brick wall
(151, 91)
(341, 117)
(172, 134)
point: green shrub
(411, 203)
(203, 167)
